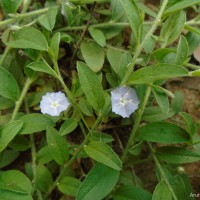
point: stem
(33, 154)
(136, 124)
(69, 94)
(24, 15)
(6, 51)
(147, 36)
(162, 173)
(191, 66)
(68, 164)
(21, 98)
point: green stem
(26, 4)
(68, 164)
(139, 114)
(24, 15)
(146, 38)
(33, 154)
(21, 98)
(111, 24)
(162, 173)
(6, 51)
(69, 94)
(191, 66)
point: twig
(82, 35)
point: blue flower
(124, 101)
(54, 103)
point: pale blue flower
(124, 101)
(54, 103)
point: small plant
(83, 100)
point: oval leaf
(162, 192)
(163, 132)
(48, 19)
(99, 183)
(13, 181)
(8, 85)
(91, 86)
(69, 186)
(68, 126)
(173, 27)
(131, 192)
(102, 153)
(133, 15)
(35, 122)
(8, 132)
(28, 37)
(41, 66)
(93, 55)
(98, 36)
(157, 72)
(177, 155)
(58, 147)
(180, 5)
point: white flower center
(123, 101)
(54, 104)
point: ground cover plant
(84, 102)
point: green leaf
(69, 186)
(162, 192)
(173, 27)
(178, 187)
(163, 132)
(44, 156)
(6, 103)
(28, 37)
(54, 46)
(42, 66)
(181, 5)
(154, 114)
(157, 72)
(130, 192)
(58, 147)
(177, 155)
(103, 137)
(99, 183)
(8, 85)
(103, 153)
(35, 122)
(190, 124)
(125, 59)
(162, 99)
(93, 55)
(44, 178)
(48, 19)
(114, 57)
(91, 86)
(14, 185)
(98, 36)
(10, 6)
(85, 107)
(193, 40)
(134, 16)
(20, 143)
(177, 102)
(68, 126)
(7, 157)
(8, 132)
(182, 51)
(195, 73)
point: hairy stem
(21, 98)
(162, 173)
(24, 15)
(74, 156)
(146, 38)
